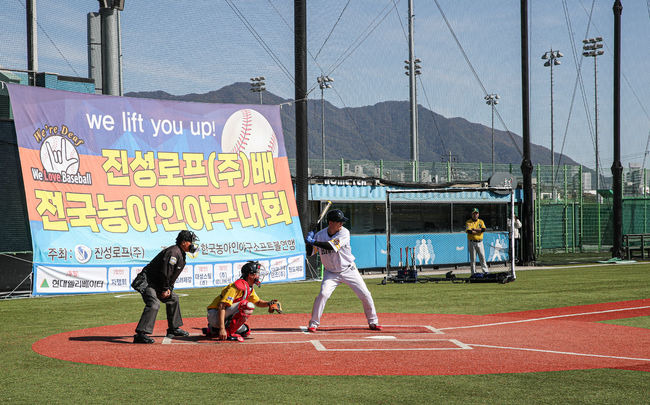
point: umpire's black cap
(336, 216)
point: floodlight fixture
(593, 49)
(492, 99)
(551, 58)
(324, 82)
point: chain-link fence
(572, 212)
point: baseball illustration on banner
(248, 131)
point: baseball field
(559, 335)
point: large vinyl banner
(110, 181)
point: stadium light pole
(551, 58)
(32, 42)
(416, 68)
(257, 85)
(492, 99)
(411, 72)
(592, 48)
(324, 82)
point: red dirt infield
(568, 338)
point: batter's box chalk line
(430, 328)
(424, 329)
(450, 344)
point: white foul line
(558, 352)
(434, 330)
(543, 319)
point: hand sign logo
(58, 155)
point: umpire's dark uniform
(162, 273)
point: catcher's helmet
(252, 267)
(336, 216)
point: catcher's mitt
(275, 306)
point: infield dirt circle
(566, 338)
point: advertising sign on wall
(110, 181)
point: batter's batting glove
(310, 238)
(275, 306)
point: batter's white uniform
(340, 268)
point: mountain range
(380, 131)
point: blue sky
(200, 46)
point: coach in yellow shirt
(475, 228)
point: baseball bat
(413, 259)
(326, 208)
(400, 257)
(407, 257)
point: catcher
(228, 312)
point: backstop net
(425, 231)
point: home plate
(382, 337)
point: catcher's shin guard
(239, 319)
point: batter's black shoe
(176, 332)
(142, 338)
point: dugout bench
(636, 246)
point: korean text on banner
(109, 181)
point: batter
(333, 245)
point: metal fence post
(449, 171)
(566, 213)
(598, 220)
(538, 233)
(416, 170)
(580, 207)
(573, 222)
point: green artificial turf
(27, 377)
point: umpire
(156, 283)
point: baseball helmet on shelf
(336, 216)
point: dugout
(431, 226)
